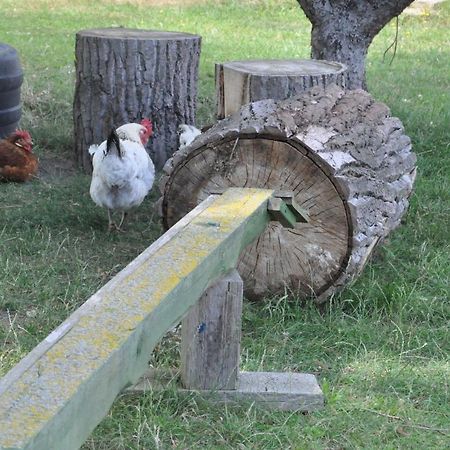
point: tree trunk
(342, 30)
(124, 75)
(344, 157)
(242, 82)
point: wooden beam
(57, 394)
(280, 212)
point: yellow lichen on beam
(110, 341)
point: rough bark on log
(123, 75)
(347, 161)
(242, 82)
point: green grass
(380, 349)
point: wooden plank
(283, 391)
(57, 395)
(211, 336)
(286, 391)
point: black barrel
(11, 77)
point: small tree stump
(347, 162)
(123, 75)
(242, 82)
(211, 336)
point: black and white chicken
(123, 172)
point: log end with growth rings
(347, 162)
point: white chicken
(123, 172)
(187, 134)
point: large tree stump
(242, 82)
(347, 161)
(123, 75)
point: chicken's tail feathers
(113, 143)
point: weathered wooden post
(210, 347)
(211, 336)
(123, 75)
(242, 82)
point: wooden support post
(211, 336)
(210, 347)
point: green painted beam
(280, 212)
(285, 209)
(57, 394)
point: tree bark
(342, 30)
(124, 75)
(242, 82)
(347, 162)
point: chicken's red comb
(23, 134)
(147, 123)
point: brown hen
(17, 162)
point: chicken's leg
(111, 224)
(122, 220)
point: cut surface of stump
(272, 164)
(242, 82)
(347, 162)
(124, 75)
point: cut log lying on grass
(348, 163)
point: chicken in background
(187, 134)
(123, 172)
(17, 161)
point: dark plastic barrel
(11, 77)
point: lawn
(380, 349)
